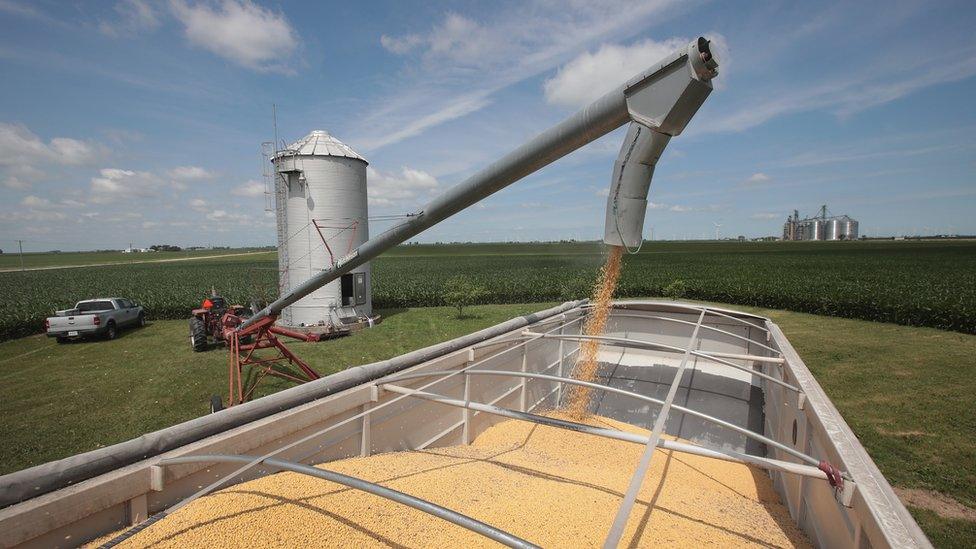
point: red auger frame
(246, 369)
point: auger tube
(662, 98)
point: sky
(142, 121)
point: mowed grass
(59, 400)
(905, 391)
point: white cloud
(199, 204)
(241, 32)
(113, 184)
(32, 201)
(765, 215)
(223, 216)
(133, 16)
(460, 62)
(403, 188)
(591, 75)
(758, 180)
(20, 146)
(15, 183)
(403, 44)
(71, 203)
(27, 11)
(189, 173)
(844, 95)
(681, 208)
(32, 215)
(455, 108)
(456, 39)
(250, 188)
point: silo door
(348, 292)
(360, 288)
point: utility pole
(20, 244)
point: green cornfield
(912, 283)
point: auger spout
(660, 109)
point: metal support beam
(615, 315)
(620, 520)
(466, 412)
(366, 440)
(725, 455)
(641, 344)
(524, 396)
(698, 309)
(561, 380)
(559, 388)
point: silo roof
(320, 143)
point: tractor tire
(198, 335)
(111, 332)
(216, 404)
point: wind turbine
(717, 227)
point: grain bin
(840, 228)
(834, 229)
(850, 228)
(320, 196)
(811, 229)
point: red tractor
(256, 348)
(208, 322)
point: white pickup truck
(95, 317)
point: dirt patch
(903, 434)
(940, 504)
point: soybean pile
(550, 486)
(915, 283)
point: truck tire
(216, 404)
(110, 331)
(142, 319)
(198, 335)
(62, 340)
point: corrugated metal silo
(811, 229)
(850, 228)
(834, 229)
(320, 190)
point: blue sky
(142, 121)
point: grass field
(906, 392)
(910, 283)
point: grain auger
(657, 103)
